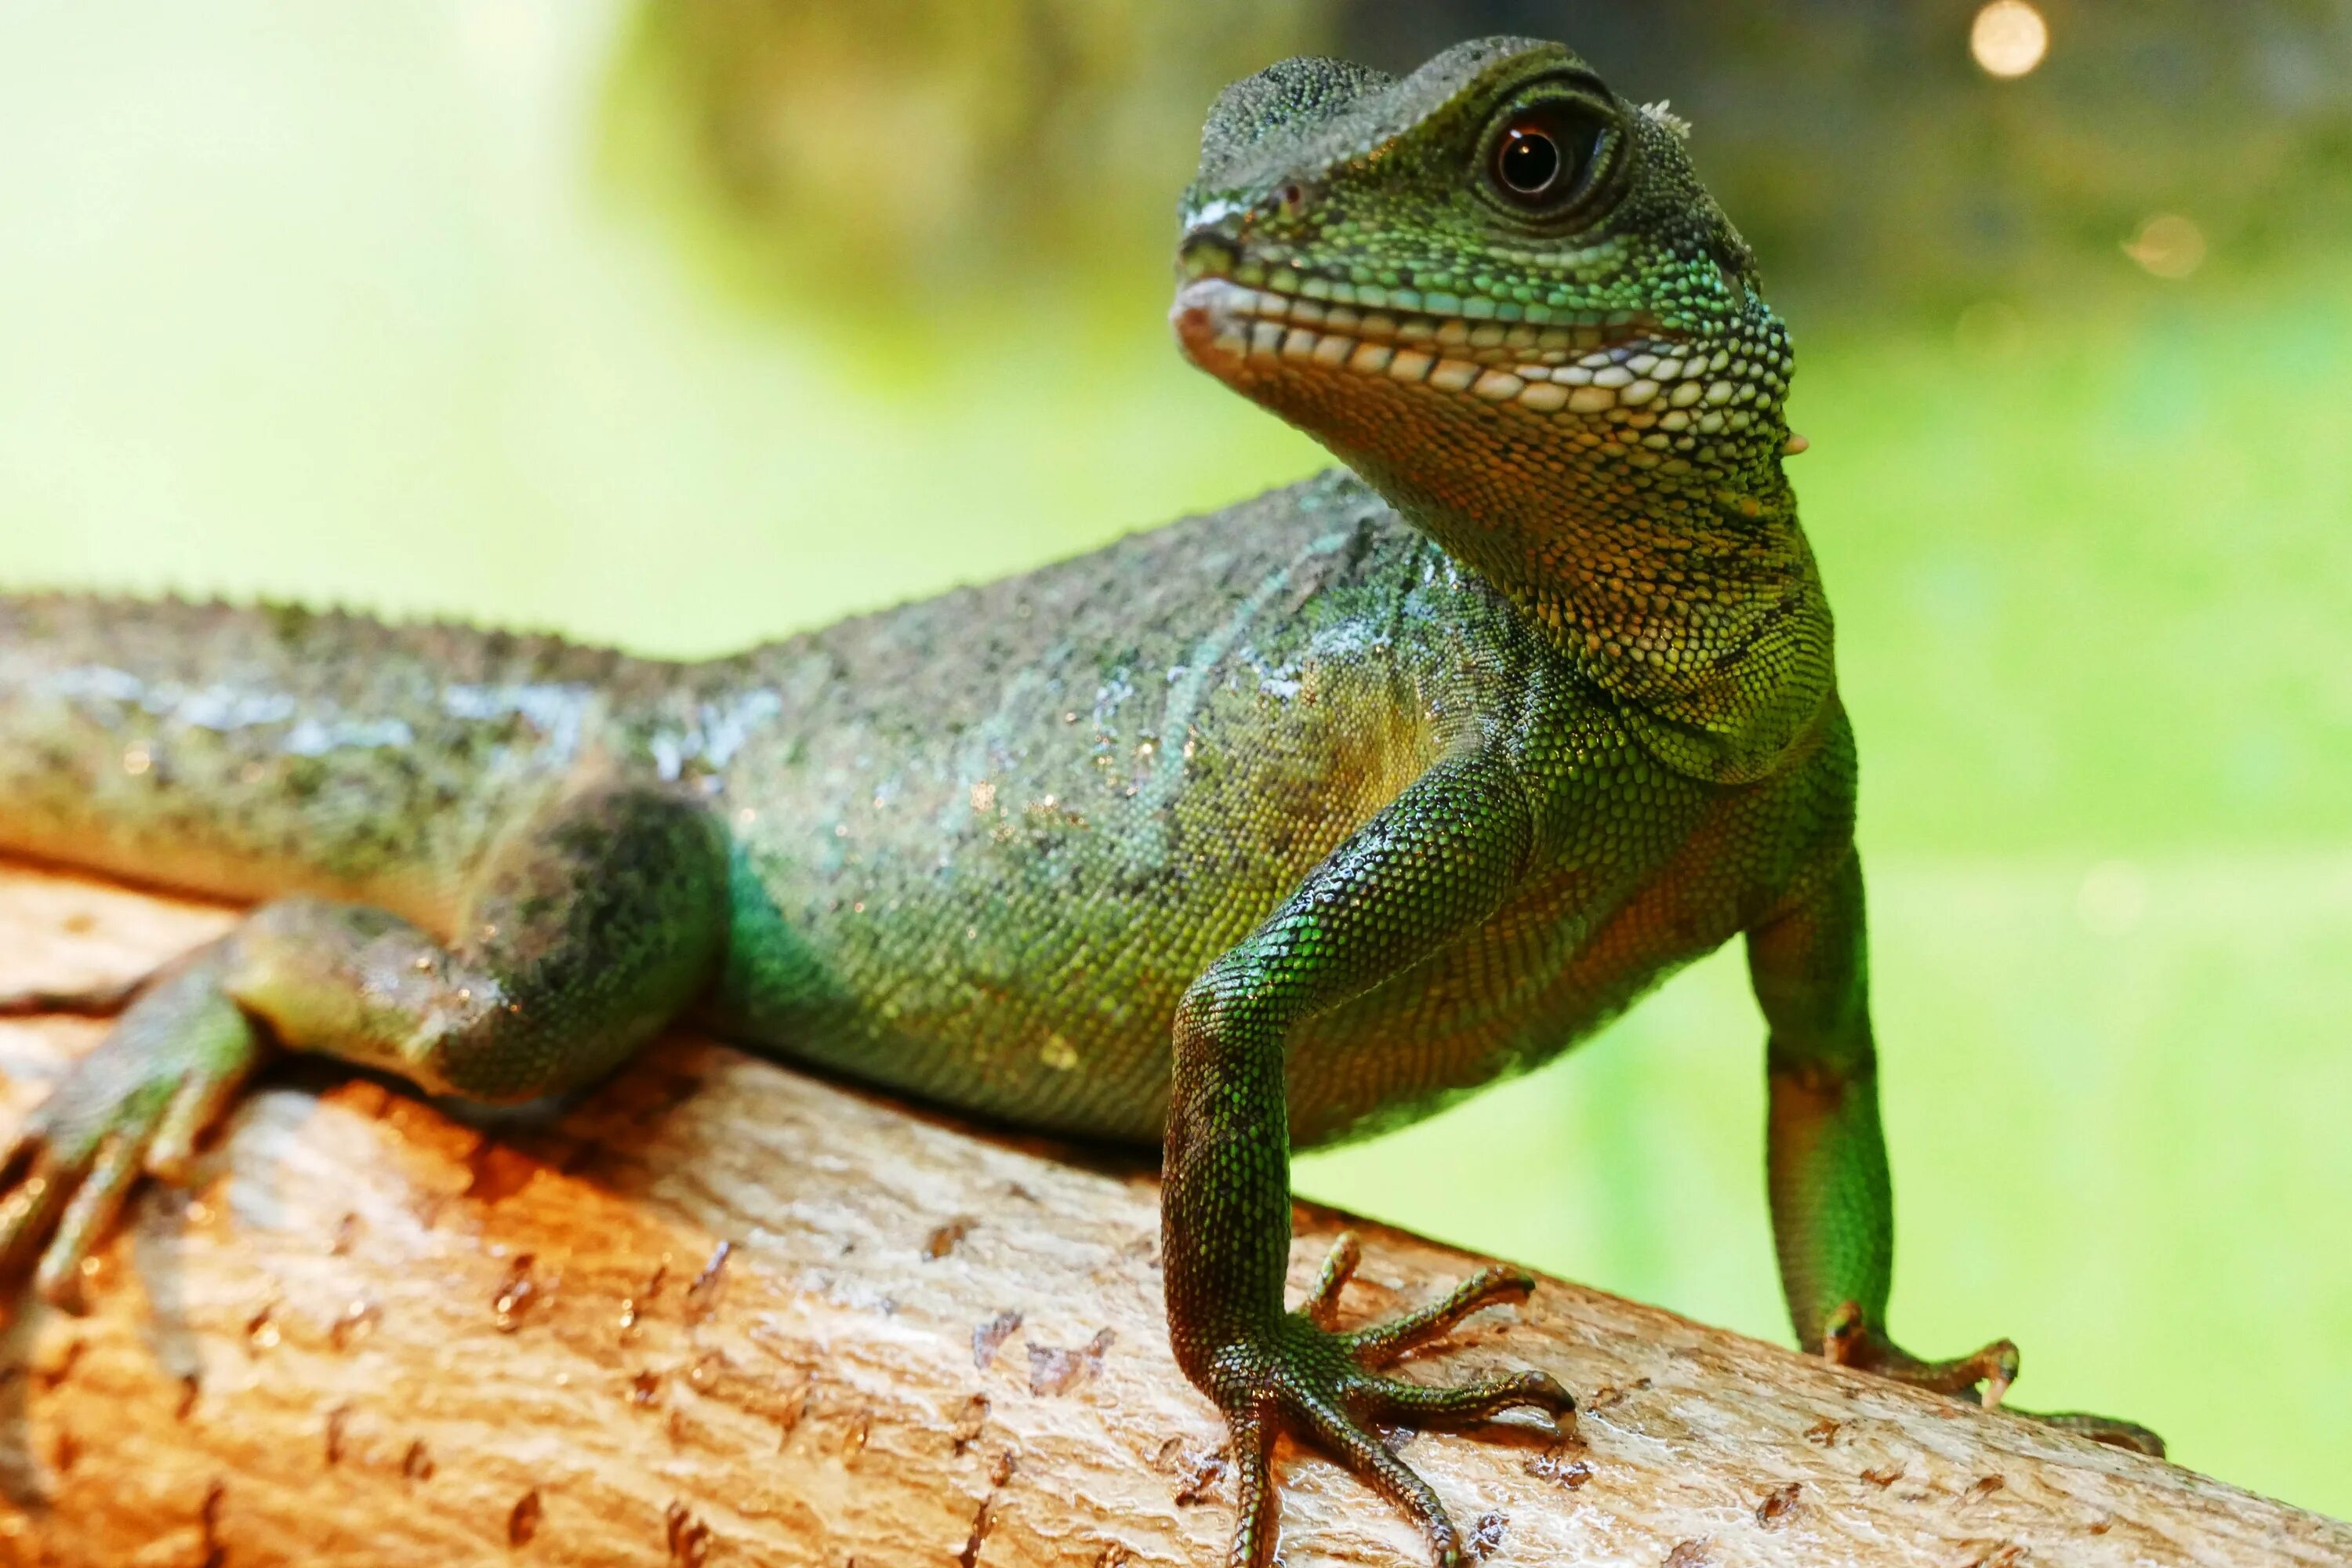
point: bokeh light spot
(2168, 246)
(2010, 38)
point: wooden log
(722, 1313)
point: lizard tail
(249, 752)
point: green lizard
(1338, 804)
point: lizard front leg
(585, 929)
(1833, 1204)
(1435, 864)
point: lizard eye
(1528, 161)
(1543, 158)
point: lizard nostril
(1207, 252)
(1292, 196)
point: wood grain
(722, 1313)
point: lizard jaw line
(1617, 365)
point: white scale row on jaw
(1694, 394)
(1545, 346)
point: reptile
(1260, 830)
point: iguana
(1264, 829)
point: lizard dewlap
(1258, 830)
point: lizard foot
(1311, 1378)
(135, 1104)
(1850, 1340)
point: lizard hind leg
(589, 926)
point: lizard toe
(2106, 1429)
(1393, 1401)
(1319, 1384)
(1849, 1339)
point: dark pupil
(1529, 162)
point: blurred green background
(685, 325)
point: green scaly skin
(1378, 794)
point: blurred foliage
(928, 150)
(925, 147)
(1871, 161)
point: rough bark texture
(724, 1314)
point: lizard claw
(1850, 1340)
(1311, 1378)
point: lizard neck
(1691, 596)
(1617, 476)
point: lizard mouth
(1589, 365)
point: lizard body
(993, 899)
(1266, 829)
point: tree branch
(722, 1313)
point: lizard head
(1490, 285)
(1498, 291)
